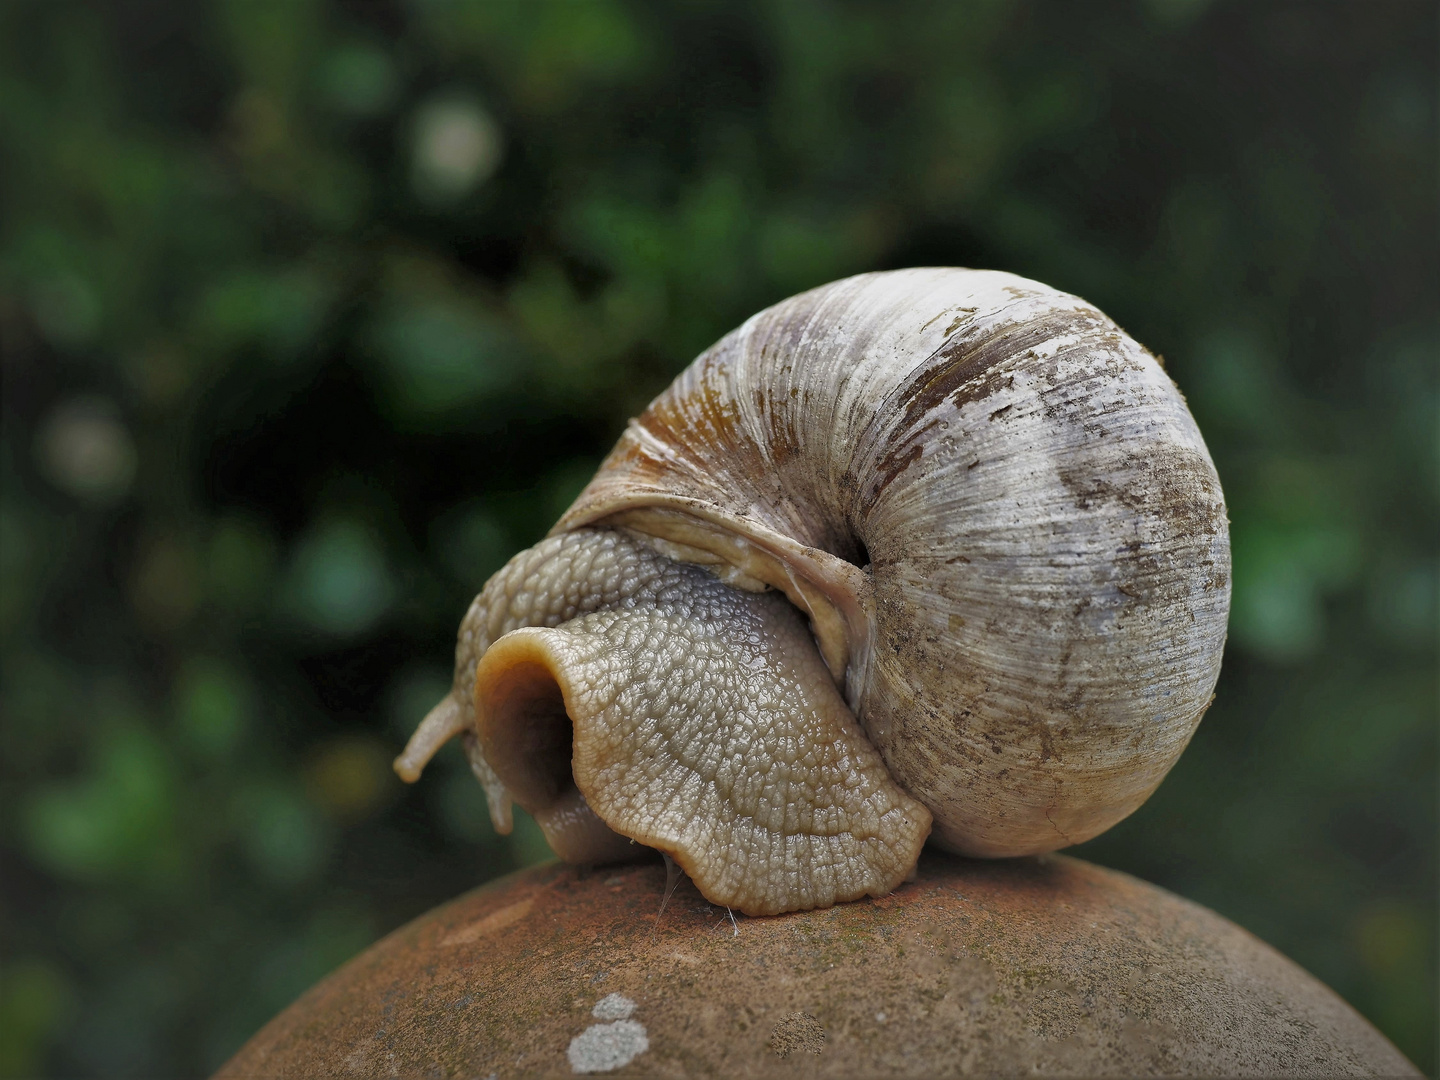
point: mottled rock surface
(1043, 965)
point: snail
(921, 553)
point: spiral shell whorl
(1006, 502)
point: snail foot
(700, 720)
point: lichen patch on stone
(603, 1047)
(613, 1007)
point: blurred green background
(311, 313)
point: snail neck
(836, 595)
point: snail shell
(1002, 525)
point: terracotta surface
(1046, 965)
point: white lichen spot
(613, 1007)
(602, 1047)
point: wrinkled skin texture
(1008, 539)
(628, 695)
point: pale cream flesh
(620, 696)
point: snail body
(1009, 542)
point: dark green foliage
(312, 313)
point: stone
(1042, 965)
